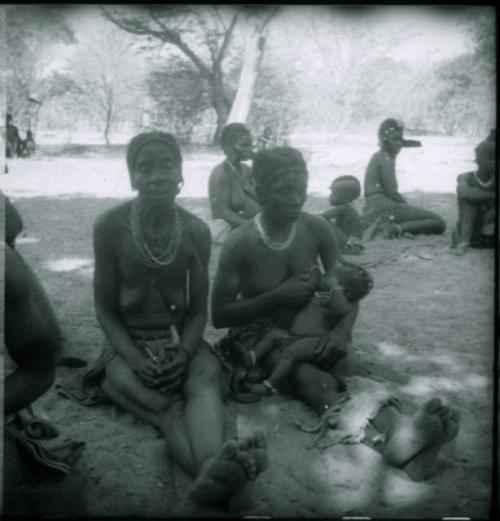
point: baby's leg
(301, 350)
(267, 342)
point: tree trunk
(220, 105)
(107, 127)
(254, 52)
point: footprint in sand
(413, 442)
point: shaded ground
(427, 325)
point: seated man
(150, 288)
(261, 283)
(476, 202)
(346, 285)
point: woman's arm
(388, 180)
(472, 194)
(228, 310)
(219, 192)
(106, 293)
(196, 317)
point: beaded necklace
(274, 245)
(481, 183)
(147, 256)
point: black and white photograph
(248, 261)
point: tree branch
(227, 38)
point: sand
(427, 326)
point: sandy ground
(427, 326)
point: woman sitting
(150, 289)
(476, 202)
(384, 205)
(230, 190)
(263, 280)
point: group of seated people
(15, 146)
(282, 289)
(386, 212)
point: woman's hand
(169, 375)
(146, 372)
(296, 290)
(332, 347)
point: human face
(156, 174)
(394, 143)
(285, 197)
(243, 147)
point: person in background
(345, 219)
(230, 189)
(382, 199)
(476, 201)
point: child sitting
(337, 292)
(347, 222)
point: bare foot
(460, 249)
(255, 447)
(413, 442)
(221, 476)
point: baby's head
(355, 281)
(344, 189)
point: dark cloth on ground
(42, 450)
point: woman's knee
(202, 375)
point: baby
(348, 228)
(336, 294)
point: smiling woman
(150, 291)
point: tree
(203, 35)
(180, 95)
(31, 33)
(107, 78)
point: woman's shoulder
(192, 222)
(313, 223)
(113, 218)
(218, 170)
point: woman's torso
(150, 298)
(240, 196)
(373, 184)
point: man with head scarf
(476, 201)
(385, 208)
(230, 190)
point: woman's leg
(467, 216)
(123, 388)
(315, 387)
(415, 220)
(204, 413)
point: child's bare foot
(221, 476)
(460, 249)
(413, 442)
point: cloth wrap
(141, 140)
(84, 387)
(268, 165)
